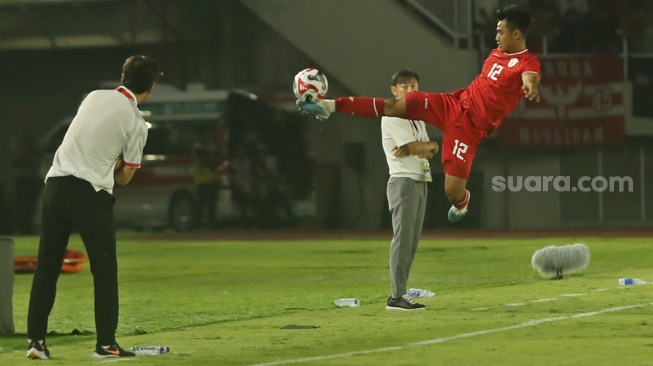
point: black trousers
(71, 203)
(207, 201)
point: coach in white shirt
(103, 145)
(407, 150)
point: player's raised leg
(458, 195)
(358, 106)
(459, 145)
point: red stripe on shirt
(124, 92)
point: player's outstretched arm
(530, 81)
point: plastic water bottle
(149, 350)
(418, 292)
(352, 302)
(631, 281)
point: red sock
(463, 203)
(360, 106)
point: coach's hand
(400, 151)
(422, 149)
(119, 164)
(432, 149)
(435, 148)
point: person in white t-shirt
(407, 150)
(103, 146)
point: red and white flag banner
(582, 104)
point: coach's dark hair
(516, 17)
(404, 75)
(139, 72)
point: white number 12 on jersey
(495, 71)
(459, 148)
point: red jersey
(498, 89)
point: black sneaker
(404, 303)
(36, 350)
(111, 351)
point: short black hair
(516, 17)
(139, 73)
(404, 75)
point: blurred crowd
(258, 190)
(583, 26)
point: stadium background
(53, 51)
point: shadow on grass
(456, 249)
(51, 334)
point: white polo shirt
(107, 125)
(398, 132)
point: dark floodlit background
(595, 119)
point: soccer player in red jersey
(465, 116)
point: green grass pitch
(225, 302)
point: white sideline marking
(572, 295)
(485, 308)
(546, 300)
(118, 359)
(452, 338)
(513, 304)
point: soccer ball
(310, 85)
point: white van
(162, 193)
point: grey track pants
(407, 202)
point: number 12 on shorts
(459, 148)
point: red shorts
(461, 138)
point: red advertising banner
(581, 104)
